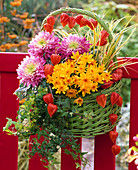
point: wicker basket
(90, 119)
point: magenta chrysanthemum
(73, 43)
(43, 43)
(31, 70)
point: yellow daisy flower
(79, 101)
(71, 93)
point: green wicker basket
(90, 119)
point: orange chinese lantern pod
(113, 118)
(78, 19)
(92, 23)
(48, 69)
(83, 22)
(117, 75)
(107, 84)
(48, 28)
(51, 108)
(48, 98)
(102, 40)
(114, 98)
(120, 101)
(113, 135)
(51, 20)
(119, 71)
(71, 22)
(116, 149)
(64, 18)
(101, 100)
(55, 59)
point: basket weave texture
(91, 119)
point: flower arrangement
(70, 84)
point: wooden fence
(103, 157)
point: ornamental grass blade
(101, 100)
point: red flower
(102, 41)
(64, 18)
(92, 23)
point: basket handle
(79, 11)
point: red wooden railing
(103, 158)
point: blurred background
(20, 20)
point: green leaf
(77, 165)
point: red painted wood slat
(131, 71)
(133, 116)
(103, 157)
(8, 108)
(9, 61)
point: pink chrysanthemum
(73, 43)
(31, 70)
(43, 43)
